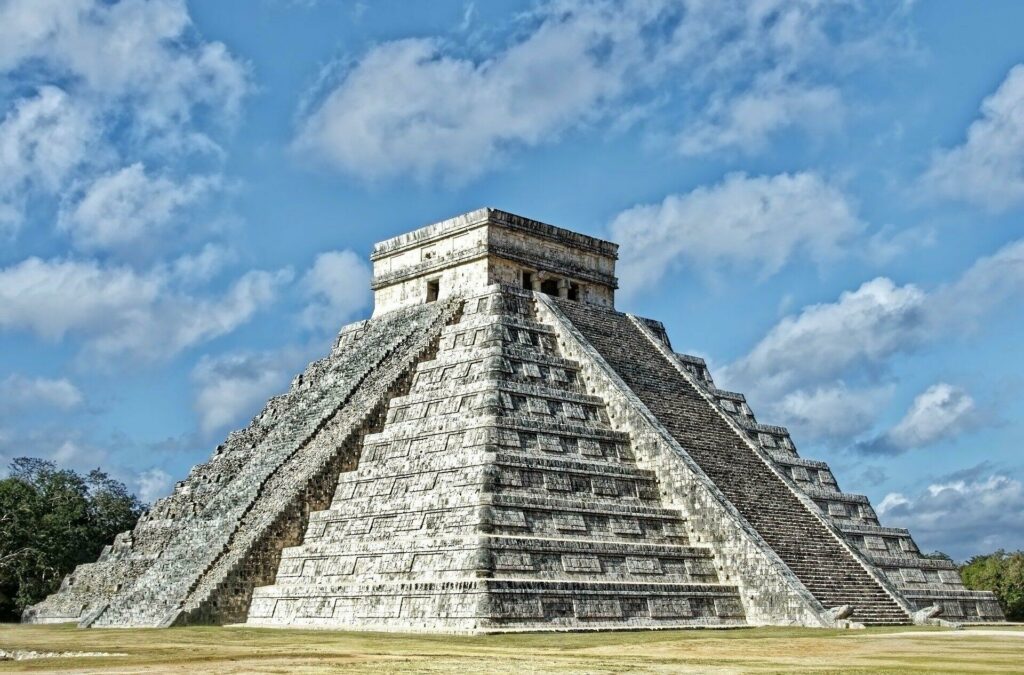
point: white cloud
(939, 412)
(860, 330)
(233, 387)
(123, 313)
(153, 484)
(962, 517)
(65, 449)
(866, 327)
(125, 206)
(420, 107)
(856, 337)
(407, 107)
(338, 285)
(988, 168)
(139, 52)
(832, 414)
(750, 222)
(19, 392)
(42, 140)
(746, 121)
(115, 82)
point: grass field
(244, 650)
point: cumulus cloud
(832, 414)
(124, 206)
(123, 313)
(857, 336)
(757, 222)
(407, 107)
(862, 329)
(104, 73)
(941, 412)
(988, 168)
(337, 285)
(231, 388)
(139, 52)
(938, 411)
(20, 392)
(420, 107)
(202, 266)
(961, 516)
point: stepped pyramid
(498, 449)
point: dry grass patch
(759, 650)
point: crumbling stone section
(187, 535)
(497, 497)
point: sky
(822, 199)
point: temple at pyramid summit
(499, 449)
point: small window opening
(528, 280)
(433, 290)
(549, 286)
(574, 292)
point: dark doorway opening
(549, 286)
(574, 292)
(528, 280)
(433, 290)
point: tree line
(54, 519)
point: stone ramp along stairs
(498, 449)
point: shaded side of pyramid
(832, 541)
(925, 582)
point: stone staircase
(923, 582)
(796, 534)
(497, 498)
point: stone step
(825, 566)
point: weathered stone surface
(497, 497)
(497, 449)
(258, 484)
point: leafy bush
(50, 521)
(1003, 574)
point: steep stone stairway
(798, 536)
(497, 498)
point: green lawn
(245, 650)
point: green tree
(50, 521)
(1003, 574)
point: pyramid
(498, 449)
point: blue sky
(824, 200)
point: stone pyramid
(498, 449)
